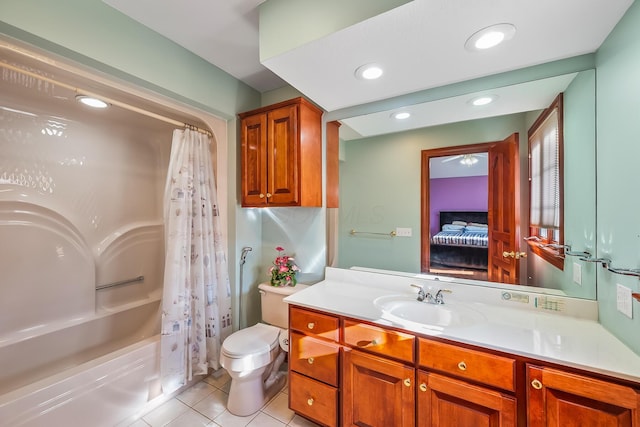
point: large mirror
(382, 181)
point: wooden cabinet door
(283, 156)
(254, 160)
(377, 392)
(446, 402)
(556, 398)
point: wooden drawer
(314, 358)
(313, 399)
(379, 340)
(310, 322)
(475, 365)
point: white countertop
(510, 325)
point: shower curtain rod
(79, 91)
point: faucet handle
(421, 294)
(439, 299)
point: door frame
(425, 206)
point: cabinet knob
(423, 387)
(261, 196)
(310, 360)
(462, 366)
(311, 325)
(268, 195)
(407, 382)
(310, 401)
(536, 384)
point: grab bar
(606, 263)
(567, 250)
(392, 234)
(623, 271)
(120, 283)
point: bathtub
(108, 379)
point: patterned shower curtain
(196, 304)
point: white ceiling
(420, 44)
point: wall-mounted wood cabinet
(281, 155)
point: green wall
(618, 151)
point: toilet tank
(274, 310)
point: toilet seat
(250, 348)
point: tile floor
(204, 404)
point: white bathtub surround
(528, 324)
(81, 209)
(196, 310)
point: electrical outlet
(624, 301)
(577, 273)
(403, 232)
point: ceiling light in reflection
(91, 101)
(479, 101)
(469, 160)
(401, 115)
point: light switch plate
(624, 301)
(403, 232)
(577, 273)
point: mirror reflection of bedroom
(458, 205)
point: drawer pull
(407, 382)
(536, 384)
(365, 343)
(261, 196)
(462, 366)
(311, 325)
(310, 360)
(423, 387)
(310, 401)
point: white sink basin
(402, 309)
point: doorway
(502, 234)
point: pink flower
(283, 270)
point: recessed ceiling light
(369, 72)
(91, 101)
(479, 101)
(401, 115)
(490, 37)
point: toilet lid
(259, 338)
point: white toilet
(252, 356)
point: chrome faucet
(439, 299)
(428, 297)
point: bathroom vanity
(364, 351)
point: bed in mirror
(381, 183)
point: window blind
(545, 174)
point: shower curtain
(196, 305)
